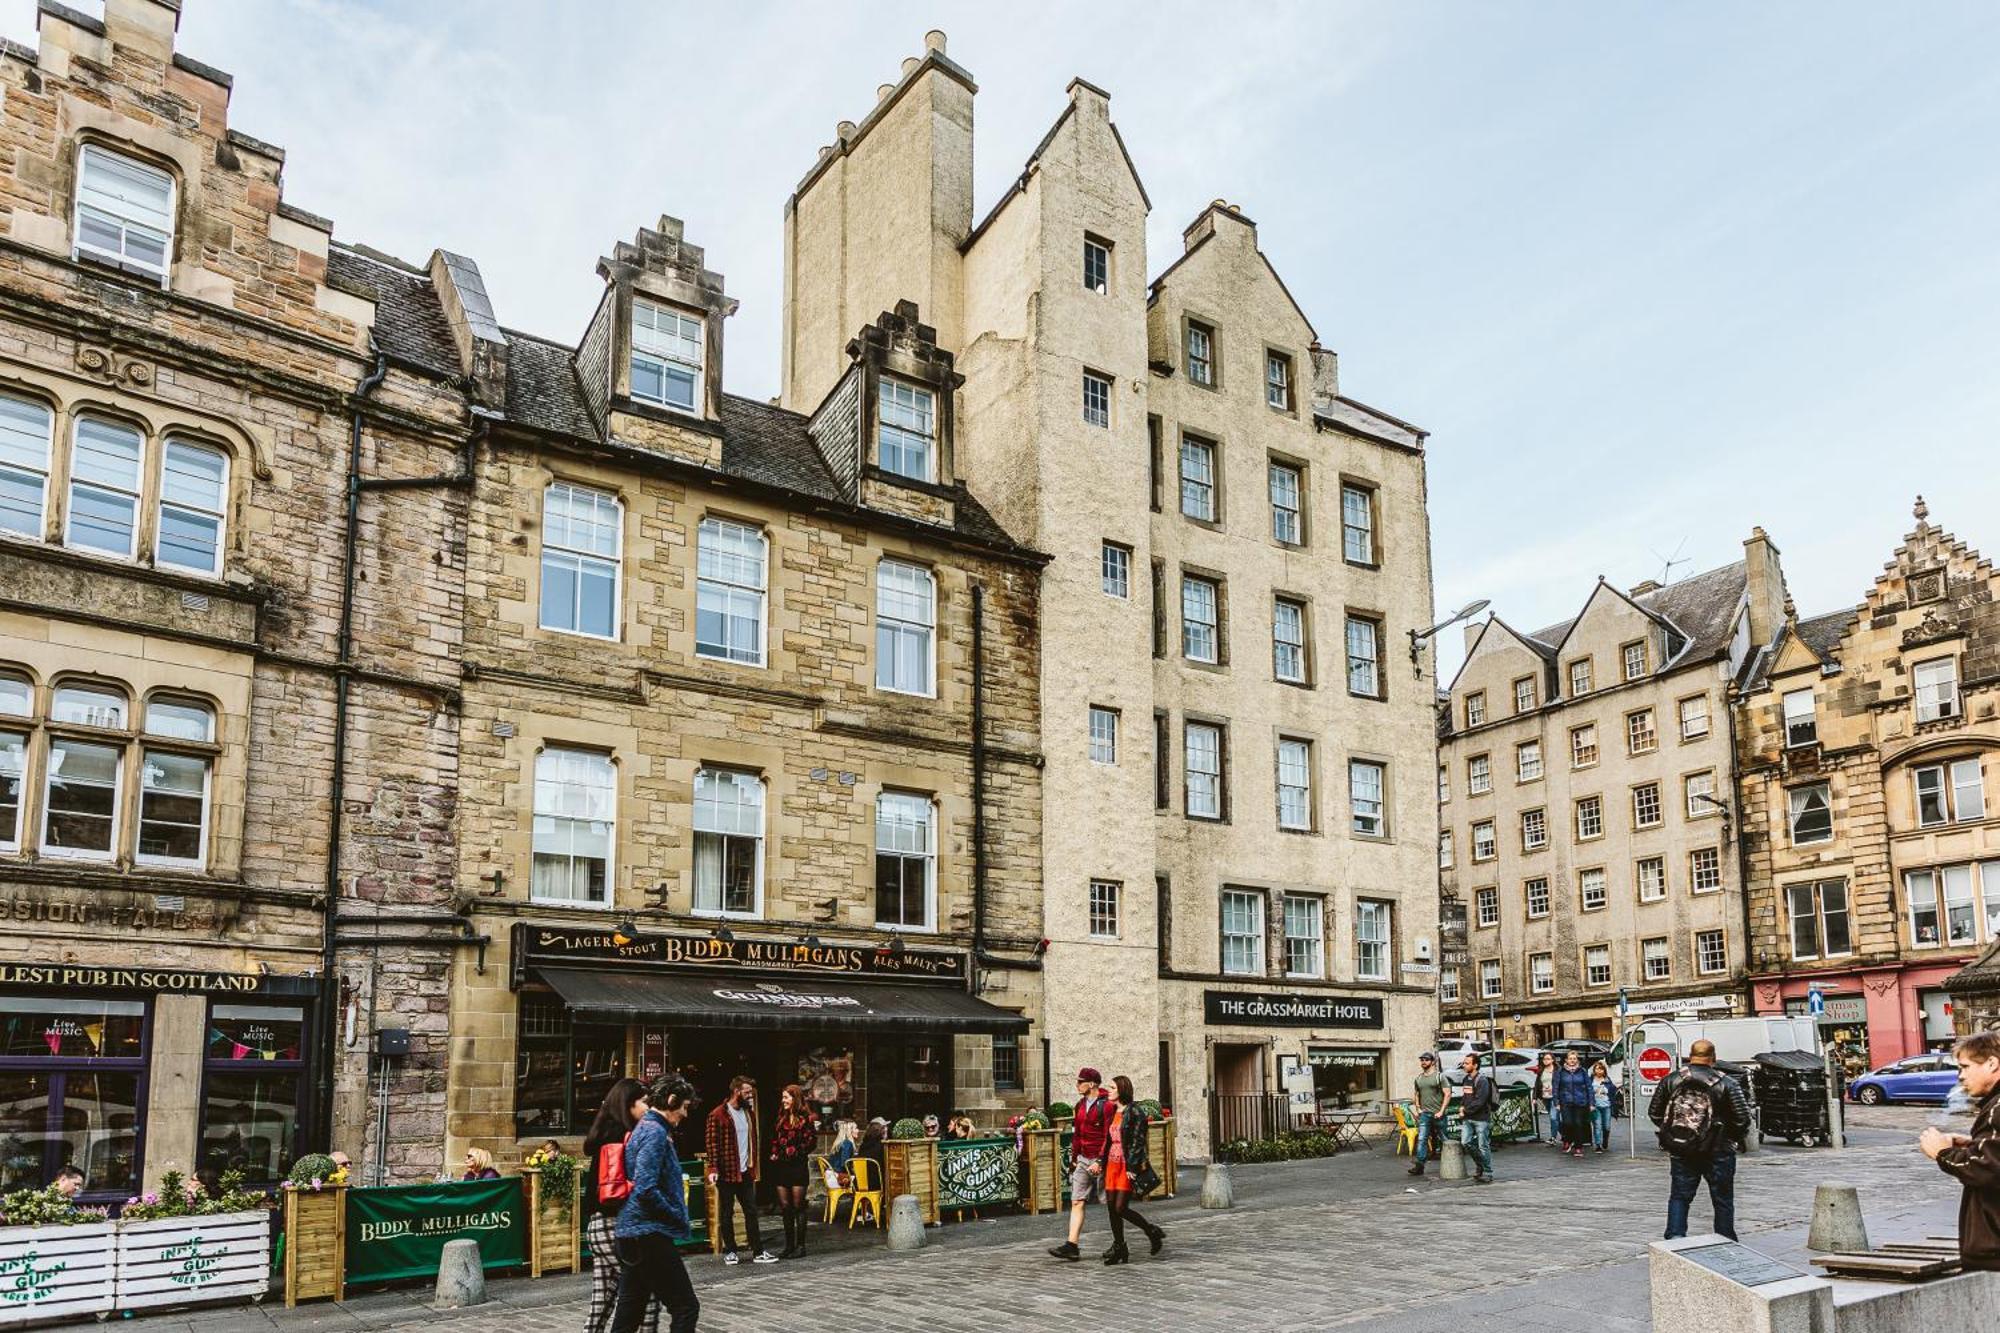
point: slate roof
(409, 322)
(542, 391)
(1819, 633)
(1702, 606)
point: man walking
(1475, 1123)
(731, 1142)
(1431, 1088)
(1701, 1115)
(654, 1216)
(1975, 1158)
(1089, 1139)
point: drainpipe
(329, 983)
(1738, 815)
(328, 1030)
(980, 957)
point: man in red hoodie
(1090, 1136)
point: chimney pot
(910, 64)
(883, 90)
(845, 129)
(934, 40)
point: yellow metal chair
(827, 1176)
(867, 1189)
(1406, 1128)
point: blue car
(1920, 1078)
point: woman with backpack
(792, 1142)
(604, 1162)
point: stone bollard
(1836, 1219)
(1216, 1191)
(1451, 1162)
(906, 1223)
(461, 1279)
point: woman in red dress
(1126, 1172)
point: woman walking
(1573, 1103)
(1602, 1092)
(1128, 1171)
(791, 1144)
(1545, 1094)
(605, 1195)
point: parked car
(1512, 1068)
(1590, 1052)
(1920, 1078)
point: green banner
(973, 1173)
(399, 1231)
(1513, 1115)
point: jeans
(1426, 1122)
(1600, 1122)
(728, 1192)
(1477, 1136)
(1554, 1131)
(1688, 1173)
(653, 1271)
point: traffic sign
(1816, 1002)
(1655, 1064)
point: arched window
(174, 784)
(25, 432)
(81, 791)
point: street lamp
(1417, 637)
(1723, 806)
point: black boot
(785, 1217)
(1157, 1236)
(1118, 1255)
(799, 1218)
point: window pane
(1362, 658)
(1357, 524)
(1117, 571)
(1198, 619)
(575, 803)
(82, 797)
(905, 607)
(250, 1123)
(1204, 771)
(173, 806)
(24, 464)
(907, 430)
(1197, 480)
(13, 764)
(1364, 782)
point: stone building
(1237, 821)
(1864, 737)
(1587, 837)
(226, 677)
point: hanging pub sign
(1226, 1008)
(534, 944)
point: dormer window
(908, 440)
(666, 357)
(124, 212)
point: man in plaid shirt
(732, 1168)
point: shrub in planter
(1287, 1147)
(183, 1244)
(56, 1259)
(1061, 1111)
(1152, 1109)
(45, 1208)
(907, 1128)
(1034, 1120)
(314, 1171)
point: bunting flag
(54, 1039)
(240, 1051)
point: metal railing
(1255, 1116)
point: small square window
(1640, 736)
(1278, 381)
(1479, 774)
(1104, 909)
(1534, 830)
(1583, 745)
(1200, 353)
(1634, 657)
(1711, 952)
(1096, 399)
(1536, 892)
(1484, 845)
(1597, 965)
(1659, 964)
(1699, 790)
(1705, 870)
(1590, 888)
(1475, 709)
(1801, 727)
(1486, 903)
(1579, 677)
(1524, 694)
(1528, 761)
(1541, 973)
(1694, 717)
(1811, 813)
(1651, 875)
(1646, 805)
(1590, 817)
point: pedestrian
(1128, 1170)
(479, 1165)
(69, 1182)
(1603, 1098)
(1545, 1095)
(792, 1142)
(1431, 1089)
(1573, 1103)
(932, 1127)
(655, 1216)
(1090, 1132)
(604, 1160)
(731, 1145)
(1475, 1118)
(1701, 1115)
(1975, 1158)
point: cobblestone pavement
(1554, 1244)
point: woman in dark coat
(1128, 1171)
(792, 1142)
(1573, 1096)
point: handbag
(1145, 1180)
(612, 1184)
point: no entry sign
(1655, 1064)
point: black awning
(803, 1002)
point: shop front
(862, 1031)
(126, 1072)
(1261, 1043)
(1874, 1016)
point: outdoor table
(1344, 1127)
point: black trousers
(729, 1192)
(653, 1271)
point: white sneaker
(764, 1257)
(729, 1257)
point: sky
(1649, 274)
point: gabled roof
(409, 323)
(1700, 609)
(1541, 650)
(1819, 635)
(1020, 182)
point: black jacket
(1131, 1130)
(1977, 1167)
(1724, 1092)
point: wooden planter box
(1047, 1182)
(179, 1260)
(57, 1272)
(1161, 1139)
(315, 1243)
(910, 1166)
(555, 1230)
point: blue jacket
(658, 1202)
(843, 1156)
(1572, 1086)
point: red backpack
(612, 1184)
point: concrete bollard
(1451, 1162)
(1216, 1191)
(1836, 1219)
(461, 1279)
(906, 1224)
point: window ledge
(576, 903)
